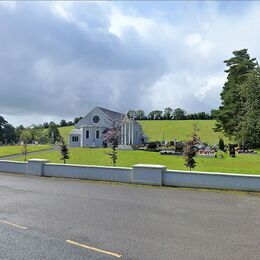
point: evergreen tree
(249, 125)
(77, 119)
(190, 149)
(233, 97)
(64, 151)
(221, 144)
(9, 133)
(3, 122)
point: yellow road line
(12, 224)
(94, 248)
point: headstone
(232, 151)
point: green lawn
(180, 129)
(248, 164)
(170, 129)
(17, 149)
(64, 131)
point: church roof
(76, 131)
(112, 114)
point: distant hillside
(64, 131)
(171, 129)
(180, 129)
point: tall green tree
(179, 114)
(3, 122)
(233, 97)
(26, 136)
(167, 113)
(249, 124)
(18, 131)
(140, 114)
(131, 113)
(9, 133)
(77, 119)
(63, 123)
(155, 115)
(53, 133)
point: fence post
(150, 174)
(35, 166)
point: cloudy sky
(61, 59)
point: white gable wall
(87, 124)
(92, 140)
(105, 121)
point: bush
(221, 144)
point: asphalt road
(38, 215)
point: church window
(96, 119)
(75, 138)
(97, 134)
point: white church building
(90, 131)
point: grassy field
(180, 129)
(170, 129)
(64, 131)
(247, 164)
(12, 150)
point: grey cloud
(60, 67)
(51, 66)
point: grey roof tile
(112, 114)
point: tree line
(168, 114)
(47, 132)
(62, 123)
(11, 135)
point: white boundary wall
(13, 167)
(100, 173)
(211, 180)
(140, 173)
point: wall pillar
(125, 133)
(82, 136)
(148, 174)
(35, 166)
(133, 133)
(122, 134)
(129, 132)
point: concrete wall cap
(9, 161)
(38, 160)
(90, 166)
(214, 173)
(156, 166)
